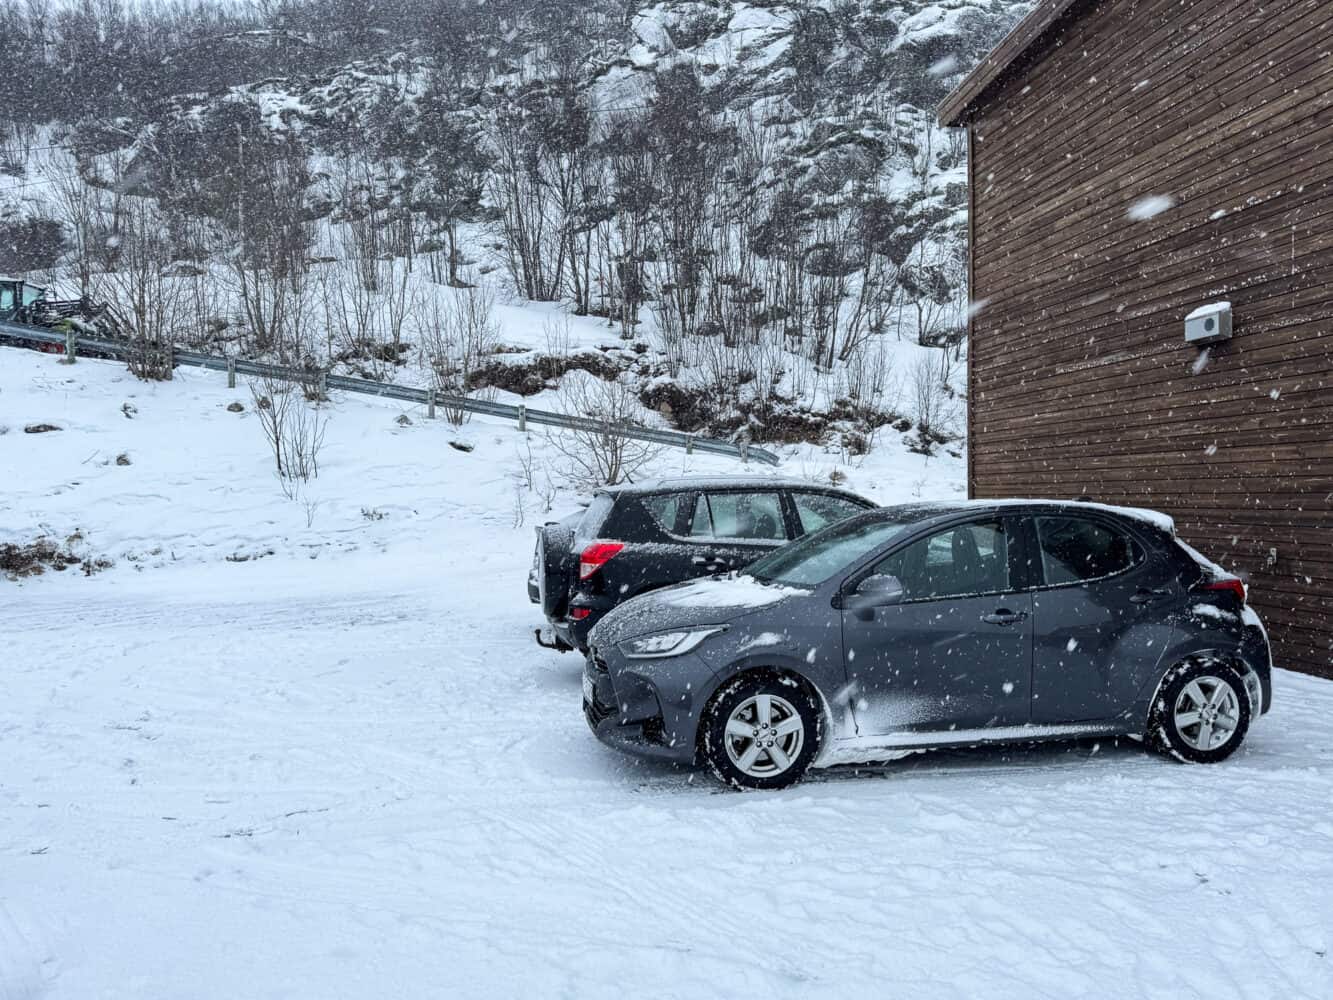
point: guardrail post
(70, 347)
(522, 419)
(231, 373)
(689, 444)
(323, 384)
(430, 403)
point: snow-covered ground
(345, 770)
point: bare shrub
(600, 454)
(456, 337)
(293, 429)
(558, 337)
(153, 304)
(933, 406)
(868, 381)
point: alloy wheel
(764, 735)
(1207, 713)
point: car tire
(1201, 713)
(784, 732)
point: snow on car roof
(720, 483)
(1163, 522)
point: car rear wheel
(1201, 713)
(761, 732)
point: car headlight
(663, 644)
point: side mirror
(876, 591)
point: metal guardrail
(430, 398)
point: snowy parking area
(356, 776)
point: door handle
(1004, 617)
(1146, 596)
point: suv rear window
(664, 509)
(817, 510)
(594, 518)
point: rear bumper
(1257, 654)
(574, 632)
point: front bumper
(632, 720)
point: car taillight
(595, 556)
(578, 614)
(1233, 584)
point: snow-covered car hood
(710, 601)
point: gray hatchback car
(933, 625)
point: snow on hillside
(345, 771)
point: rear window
(594, 518)
(1074, 550)
(663, 509)
(818, 510)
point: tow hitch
(547, 638)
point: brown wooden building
(1132, 160)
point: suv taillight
(1233, 584)
(595, 556)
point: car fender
(1190, 647)
(782, 659)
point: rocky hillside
(754, 193)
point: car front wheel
(761, 732)
(1201, 713)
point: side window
(663, 509)
(741, 516)
(7, 298)
(1073, 550)
(819, 509)
(961, 561)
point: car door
(733, 528)
(666, 558)
(1097, 588)
(955, 652)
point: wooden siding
(1080, 377)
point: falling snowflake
(1151, 207)
(1071, 645)
(944, 66)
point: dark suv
(633, 539)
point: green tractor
(26, 304)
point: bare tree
(600, 454)
(457, 336)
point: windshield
(817, 557)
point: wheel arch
(1143, 710)
(779, 669)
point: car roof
(679, 483)
(927, 511)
